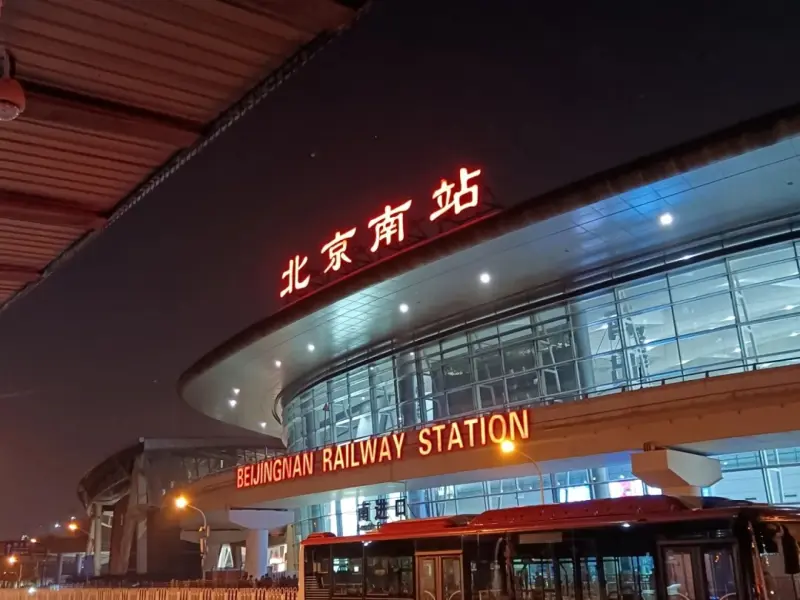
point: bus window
(629, 577)
(348, 569)
(390, 576)
(679, 575)
(780, 584)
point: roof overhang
(725, 189)
(117, 96)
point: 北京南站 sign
(388, 229)
(475, 432)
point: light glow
(72, 526)
(507, 446)
(388, 226)
(292, 276)
(311, 347)
(336, 250)
(278, 364)
(263, 424)
(404, 308)
(181, 502)
(12, 560)
(485, 278)
(232, 402)
(666, 219)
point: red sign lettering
(336, 250)
(388, 229)
(475, 432)
(389, 226)
(292, 275)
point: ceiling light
(232, 402)
(236, 391)
(278, 363)
(263, 424)
(404, 308)
(485, 278)
(666, 219)
(789, 307)
(12, 96)
(311, 347)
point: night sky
(539, 96)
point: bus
(633, 548)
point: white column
(257, 554)
(676, 473)
(212, 557)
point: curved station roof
(118, 93)
(602, 229)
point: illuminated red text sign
(388, 229)
(476, 432)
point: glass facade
(715, 317)
(711, 318)
(770, 476)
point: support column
(257, 553)
(676, 473)
(212, 557)
(95, 542)
(59, 568)
(236, 554)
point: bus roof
(572, 515)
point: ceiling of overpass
(116, 89)
(577, 246)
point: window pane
(717, 347)
(772, 337)
(648, 327)
(706, 313)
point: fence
(274, 593)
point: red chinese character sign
(336, 248)
(389, 226)
(293, 277)
(450, 202)
(342, 252)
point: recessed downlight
(263, 424)
(311, 347)
(666, 219)
(403, 308)
(278, 364)
(485, 278)
(232, 402)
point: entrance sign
(388, 230)
(440, 438)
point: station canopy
(115, 90)
(727, 190)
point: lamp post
(182, 503)
(74, 528)
(509, 447)
(13, 560)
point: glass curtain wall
(716, 317)
(769, 476)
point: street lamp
(509, 447)
(181, 503)
(13, 560)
